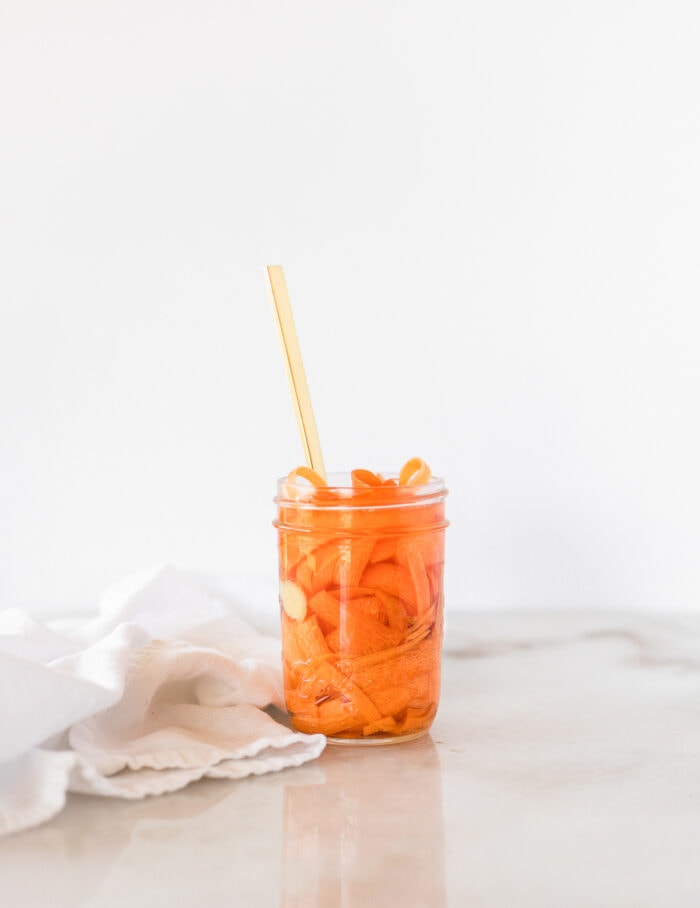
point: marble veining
(563, 769)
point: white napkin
(166, 685)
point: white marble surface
(563, 770)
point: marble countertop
(563, 769)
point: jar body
(361, 604)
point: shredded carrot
(365, 478)
(390, 701)
(385, 724)
(395, 613)
(326, 608)
(410, 555)
(384, 550)
(310, 639)
(396, 670)
(416, 719)
(352, 561)
(368, 605)
(309, 475)
(394, 579)
(352, 592)
(341, 684)
(414, 472)
(361, 634)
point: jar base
(376, 742)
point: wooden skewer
(295, 368)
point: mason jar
(361, 605)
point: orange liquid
(361, 647)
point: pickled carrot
(414, 472)
(384, 550)
(363, 659)
(362, 634)
(310, 640)
(309, 475)
(393, 579)
(395, 613)
(326, 608)
(333, 640)
(421, 583)
(368, 605)
(366, 478)
(352, 561)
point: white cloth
(166, 685)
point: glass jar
(361, 605)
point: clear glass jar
(361, 604)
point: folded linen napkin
(166, 685)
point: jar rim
(300, 493)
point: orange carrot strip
(420, 629)
(290, 645)
(352, 561)
(409, 554)
(349, 665)
(309, 638)
(325, 607)
(435, 575)
(333, 640)
(323, 578)
(309, 475)
(304, 575)
(351, 592)
(417, 719)
(394, 671)
(368, 605)
(394, 612)
(339, 707)
(298, 704)
(352, 692)
(361, 634)
(365, 478)
(392, 700)
(432, 547)
(290, 677)
(387, 724)
(330, 727)
(414, 472)
(384, 550)
(423, 690)
(394, 579)
(294, 547)
(315, 571)
(323, 563)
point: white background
(488, 214)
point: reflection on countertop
(563, 769)
(370, 833)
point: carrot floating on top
(414, 472)
(309, 475)
(366, 478)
